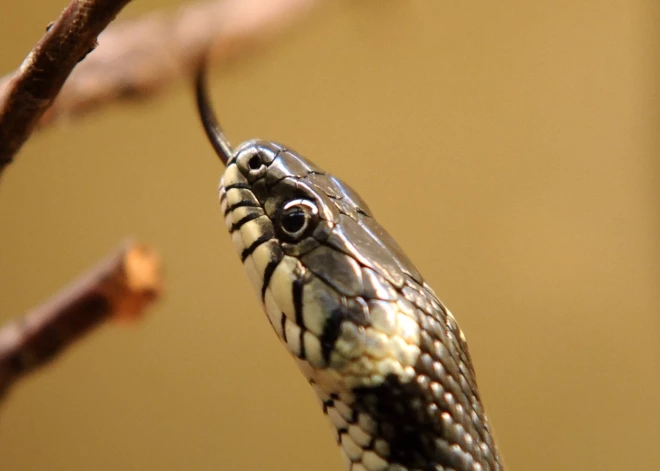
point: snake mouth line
(241, 186)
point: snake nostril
(255, 162)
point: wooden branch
(134, 59)
(40, 77)
(120, 287)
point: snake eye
(297, 219)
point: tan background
(511, 148)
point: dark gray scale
(408, 418)
(330, 267)
(338, 270)
(355, 240)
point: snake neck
(432, 419)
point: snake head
(338, 290)
(329, 276)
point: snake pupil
(294, 221)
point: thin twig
(136, 58)
(119, 287)
(40, 77)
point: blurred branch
(134, 58)
(121, 287)
(33, 87)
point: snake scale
(385, 357)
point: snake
(385, 357)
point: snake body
(385, 357)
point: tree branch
(120, 287)
(40, 77)
(134, 58)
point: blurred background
(511, 148)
